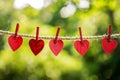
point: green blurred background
(93, 16)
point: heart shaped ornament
(56, 47)
(81, 46)
(36, 45)
(15, 42)
(109, 46)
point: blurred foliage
(68, 65)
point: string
(80, 31)
(109, 32)
(57, 33)
(117, 35)
(58, 30)
(16, 30)
(37, 33)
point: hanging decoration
(36, 45)
(15, 41)
(108, 44)
(81, 46)
(56, 44)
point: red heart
(15, 42)
(109, 46)
(56, 47)
(36, 45)
(81, 46)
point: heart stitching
(81, 46)
(36, 46)
(56, 47)
(109, 46)
(15, 42)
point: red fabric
(81, 46)
(15, 42)
(36, 45)
(56, 46)
(109, 45)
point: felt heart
(81, 46)
(15, 42)
(36, 45)
(56, 47)
(109, 46)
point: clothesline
(117, 35)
